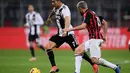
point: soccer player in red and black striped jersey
(93, 24)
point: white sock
(105, 63)
(78, 60)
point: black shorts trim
(70, 39)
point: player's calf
(32, 52)
(79, 51)
(108, 64)
(51, 56)
(50, 45)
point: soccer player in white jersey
(63, 20)
(33, 23)
(92, 23)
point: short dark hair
(82, 4)
(31, 5)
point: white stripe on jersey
(35, 29)
(33, 21)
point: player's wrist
(72, 29)
(65, 32)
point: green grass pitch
(17, 61)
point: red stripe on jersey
(95, 25)
(92, 26)
(90, 30)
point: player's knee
(30, 44)
(95, 60)
(38, 44)
(78, 51)
(46, 47)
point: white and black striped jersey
(60, 14)
(34, 21)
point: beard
(81, 13)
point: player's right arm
(105, 27)
(49, 19)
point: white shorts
(94, 45)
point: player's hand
(64, 34)
(49, 21)
(66, 30)
(26, 26)
(104, 39)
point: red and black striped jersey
(93, 25)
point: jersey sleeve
(86, 19)
(101, 18)
(66, 12)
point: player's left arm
(105, 27)
(40, 20)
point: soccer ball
(35, 70)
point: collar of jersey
(32, 12)
(61, 6)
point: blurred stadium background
(14, 54)
(116, 12)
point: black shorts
(70, 39)
(33, 38)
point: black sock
(86, 57)
(41, 47)
(32, 51)
(51, 57)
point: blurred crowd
(116, 12)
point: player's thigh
(31, 39)
(55, 41)
(30, 43)
(72, 41)
(95, 51)
(80, 49)
(87, 47)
